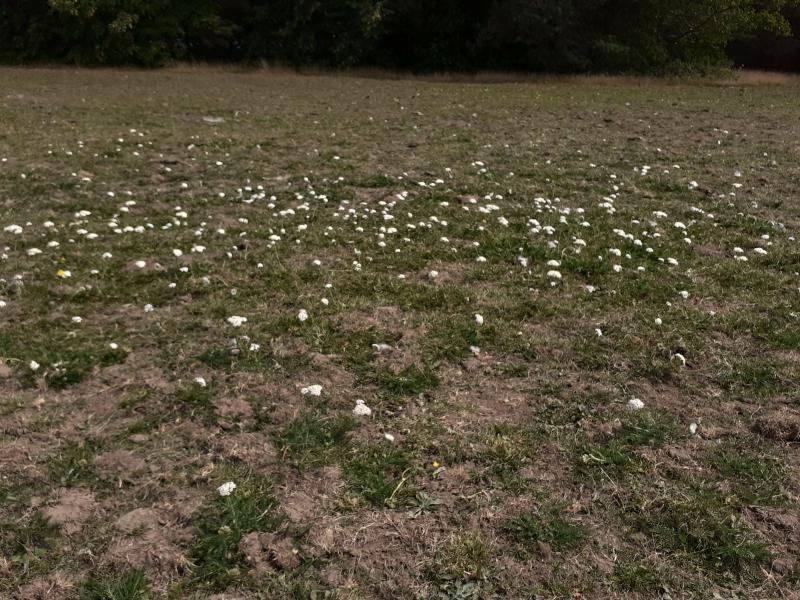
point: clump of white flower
(312, 390)
(361, 409)
(479, 319)
(226, 489)
(635, 404)
(237, 321)
(302, 315)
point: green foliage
(531, 530)
(703, 525)
(526, 35)
(312, 438)
(73, 465)
(753, 478)
(617, 456)
(130, 585)
(379, 474)
(221, 525)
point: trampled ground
(448, 340)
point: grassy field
(448, 340)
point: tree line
(570, 36)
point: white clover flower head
(302, 315)
(226, 489)
(683, 294)
(479, 319)
(388, 436)
(433, 274)
(200, 381)
(693, 428)
(148, 308)
(554, 275)
(34, 365)
(361, 409)
(237, 321)
(312, 390)
(658, 321)
(113, 345)
(140, 264)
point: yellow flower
(435, 465)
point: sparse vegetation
(283, 336)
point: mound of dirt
(72, 509)
(781, 425)
(120, 465)
(150, 540)
(267, 552)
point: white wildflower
(635, 404)
(226, 489)
(312, 390)
(361, 409)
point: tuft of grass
(411, 381)
(547, 526)
(130, 585)
(73, 464)
(221, 525)
(754, 478)
(313, 439)
(508, 449)
(617, 457)
(27, 544)
(466, 558)
(701, 525)
(197, 400)
(380, 475)
(639, 577)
